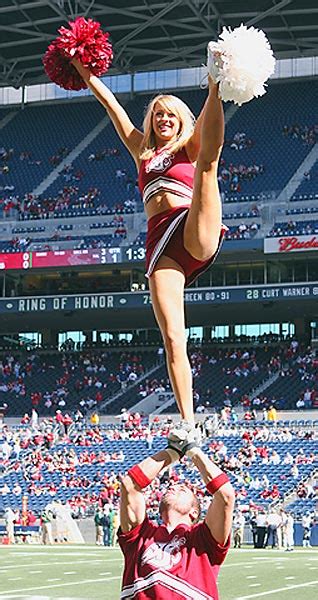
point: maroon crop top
(166, 172)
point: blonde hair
(185, 116)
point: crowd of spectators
(239, 141)
(294, 228)
(5, 156)
(308, 134)
(103, 153)
(233, 176)
(68, 201)
(55, 241)
(85, 379)
(62, 446)
(71, 197)
(59, 155)
(252, 212)
(292, 363)
(89, 377)
(286, 361)
(244, 231)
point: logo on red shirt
(160, 162)
(164, 555)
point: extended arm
(132, 502)
(126, 130)
(220, 513)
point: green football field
(94, 573)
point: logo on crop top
(161, 162)
(164, 555)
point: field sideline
(94, 573)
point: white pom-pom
(241, 61)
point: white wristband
(174, 455)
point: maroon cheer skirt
(165, 236)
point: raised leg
(166, 288)
(203, 224)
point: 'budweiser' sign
(294, 243)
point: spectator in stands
(189, 552)
(300, 404)
(170, 138)
(94, 419)
(272, 414)
(34, 418)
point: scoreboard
(70, 258)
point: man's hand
(183, 438)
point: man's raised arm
(220, 512)
(132, 501)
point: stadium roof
(149, 34)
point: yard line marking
(263, 551)
(69, 573)
(15, 597)
(58, 563)
(284, 589)
(45, 587)
(34, 572)
(251, 577)
(254, 585)
(240, 564)
(61, 554)
(290, 577)
(55, 579)
(270, 558)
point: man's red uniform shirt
(182, 564)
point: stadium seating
(221, 376)
(294, 228)
(31, 131)
(69, 468)
(106, 163)
(68, 380)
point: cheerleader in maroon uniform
(177, 160)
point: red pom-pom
(84, 41)
(59, 69)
